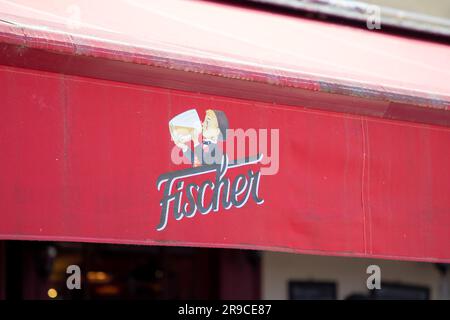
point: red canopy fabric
(239, 43)
(88, 89)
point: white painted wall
(348, 273)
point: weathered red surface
(84, 127)
(80, 160)
(230, 42)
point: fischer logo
(213, 152)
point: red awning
(89, 90)
(238, 43)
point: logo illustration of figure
(206, 136)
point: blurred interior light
(52, 293)
(98, 276)
(52, 252)
(107, 290)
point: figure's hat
(222, 121)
